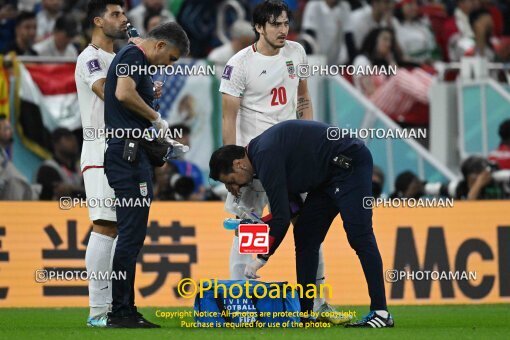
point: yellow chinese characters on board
(425, 251)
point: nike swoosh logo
(104, 288)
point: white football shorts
(100, 196)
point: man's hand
(160, 123)
(484, 178)
(251, 269)
(234, 189)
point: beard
(115, 34)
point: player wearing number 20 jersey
(260, 87)
(267, 86)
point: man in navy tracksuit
(128, 102)
(295, 157)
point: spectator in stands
(199, 19)
(75, 6)
(25, 32)
(46, 18)
(27, 5)
(324, 22)
(161, 183)
(355, 4)
(13, 185)
(180, 179)
(377, 181)
(8, 15)
(458, 27)
(78, 10)
(59, 44)
(482, 42)
(396, 94)
(501, 155)
(61, 176)
(477, 183)
(408, 185)
(363, 20)
(153, 20)
(148, 8)
(494, 8)
(241, 36)
(5, 137)
(414, 34)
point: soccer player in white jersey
(109, 23)
(260, 88)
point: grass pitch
(411, 322)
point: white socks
(320, 279)
(383, 313)
(238, 261)
(110, 286)
(98, 259)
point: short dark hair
(404, 180)
(174, 34)
(97, 8)
(473, 165)
(60, 133)
(3, 116)
(24, 16)
(66, 24)
(222, 160)
(148, 18)
(268, 11)
(181, 127)
(504, 130)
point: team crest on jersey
(93, 65)
(291, 69)
(227, 72)
(143, 189)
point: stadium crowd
(424, 31)
(412, 34)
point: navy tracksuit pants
(343, 194)
(130, 181)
